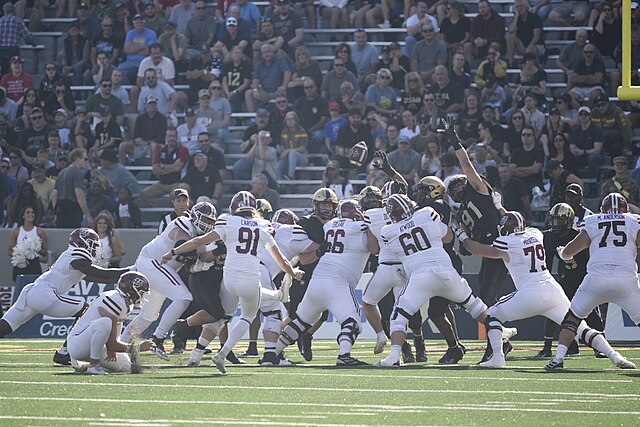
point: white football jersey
(417, 241)
(291, 240)
(347, 250)
(163, 243)
(111, 301)
(246, 239)
(526, 257)
(378, 218)
(62, 276)
(613, 244)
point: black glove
(380, 160)
(221, 249)
(450, 133)
(322, 249)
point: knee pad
(215, 327)
(399, 320)
(492, 323)
(587, 335)
(474, 306)
(293, 331)
(350, 329)
(272, 321)
(570, 324)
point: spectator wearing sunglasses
(615, 125)
(60, 98)
(34, 136)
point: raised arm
(465, 163)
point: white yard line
(350, 390)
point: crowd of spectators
(167, 76)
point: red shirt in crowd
(14, 86)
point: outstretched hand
(380, 160)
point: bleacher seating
(295, 193)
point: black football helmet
(242, 201)
(321, 196)
(370, 197)
(561, 217)
(429, 188)
(350, 209)
(393, 187)
(285, 216)
(203, 217)
(85, 238)
(511, 223)
(456, 187)
(264, 208)
(133, 285)
(399, 207)
(614, 203)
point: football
(358, 154)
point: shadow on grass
(557, 372)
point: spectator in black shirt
(108, 134)
(586, 142)
(526, 162)
(313, 112)
(62, 160)
(61, 97)
(214, 154)
(349, 135)
(515, 195)
(200, 73)
(236, 78)
(148, 134)
(35, 136)
(203, 179)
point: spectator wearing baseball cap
(15, 33)
(148, 134)
(136, 46)
(188, 131)
(573, 197)
(405, 159)
(615, 125)
(586, 142)
(203, 178)
(180, 202)
(621, 182)
(16, 80)
(333, 125)
(560, 179)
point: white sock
(345, 346)
(382, 336)
(235, 334)
(270, 346)
(602, 345)
(495, 338)
(170, 317)
(561, 351)
(395, 351)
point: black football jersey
(569, 273)
(479, 215)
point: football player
(479, 213)
(265, 210)
(349, 243)
(570, 273)
(324, 203)
(612, 237)
(293, 242)
(48, 294)
(430, 192)
(416, 238)
(537, 292)
(94, 338)
(246, 236)
(380, 297)
(164, 279)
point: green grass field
(589, 392)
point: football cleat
(506, 348)
(347, 360)
(159, 348)
(487, 354)
(97, 370)
(177, 350)
(62, 359)
(219, 361)
(494, 362)
(573, 349)
(421, 351)
(554, 365)
(252, 350)
(272, 359)
(307, 350)
(545, 353)
(621, 362)
(195, 357)
(452, 356)
(599, 354)
(387, 362)
(381, 342)
(231, 357)
(464, 349)
(407, 354)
